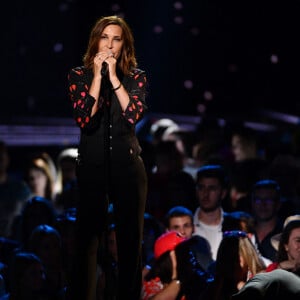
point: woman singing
(108, 99)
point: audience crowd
(222, 220)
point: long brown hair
(234, 245)
(127, 60)
(282, 254)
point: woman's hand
(108, 58)
(98, 64)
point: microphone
(104, 69)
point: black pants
(126, 188)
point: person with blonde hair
(237, 261)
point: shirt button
(110, 137)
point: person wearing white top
(212, 233)
(211, 184)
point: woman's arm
(83, 103)
(136, 106)
(169, 292)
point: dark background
(210, 55)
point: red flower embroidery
(73, 87)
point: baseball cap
(276, 238)
(167, 242)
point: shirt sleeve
(82, 101)
(137, 94)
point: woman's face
(111, 40)
(241, 149)
(37, 181)
(293, 246)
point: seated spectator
(242, 221)
(67, 196)
(210, 146)
(287, 245)
(45, 242)
(211, 190)
(180, 219)
(176, 273)
(265, 210)
(169, 185)
(245, 144)
(26, 278)
(36, 211)
(285, 169)
(184, 140)
(237, 261)
(7, 251)
(14, 192)
(65, 224)
(276, 285)
(159, 127)
(238, 220)
(249, 166)
(194, 280)
(40, 178)
(7, 247)
(242, 177)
